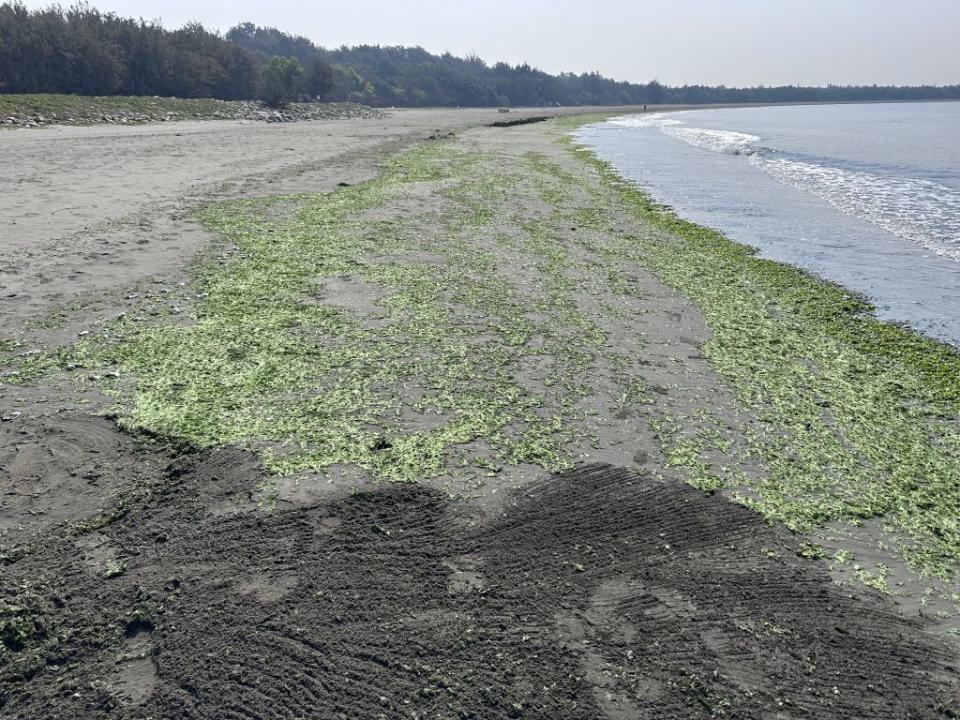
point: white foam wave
(921, 211)
(644, 121)
(721, 141)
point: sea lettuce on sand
(465, 362)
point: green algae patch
(285, 352)
(858, 419)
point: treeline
(405, 76)
(81, 50)
(84, 51)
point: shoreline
(845, 315)
(912, 275)
(325, 422)
(862, 307)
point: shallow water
(865, 195)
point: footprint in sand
(135, 676)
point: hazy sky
(732, 42)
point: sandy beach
(86, 208)
(416, 417)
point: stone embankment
(204, 110)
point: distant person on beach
(644, 107)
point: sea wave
(721, 141)
(644, 121)
(921, 211)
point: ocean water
(864, 195)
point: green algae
(859, 418)
(310, 385)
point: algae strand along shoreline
(861, 415)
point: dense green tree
(269, 42)
(349, 85)
(281, 80)
(81, 50)
(317, 78)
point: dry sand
(86, 208)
